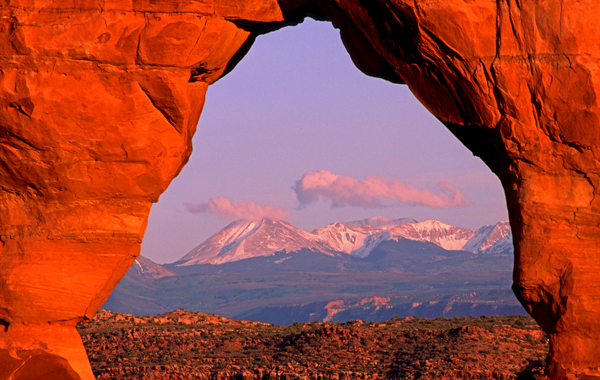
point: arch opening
(294, 104)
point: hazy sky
(298, 128)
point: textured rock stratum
(100, 99)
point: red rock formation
(99, 103)
(516, 82)
(100, 99)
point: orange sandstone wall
(517, 83)
(99, 100)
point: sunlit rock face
(99, 100)
(516, 82)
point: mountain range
(244, 239)
(270, 271)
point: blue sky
(296, 104)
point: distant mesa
(244, 239)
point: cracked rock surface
(99, 101)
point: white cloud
(372, 192)
(226, 209)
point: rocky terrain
(184, 345)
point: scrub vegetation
(186, 345)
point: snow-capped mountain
(339, 237)
(246, 239)
(438, 233)
(371, 242)
(495, 238)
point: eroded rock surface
(516, 82)
(99, 103)
(100, 99)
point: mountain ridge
(342, 264)
(243, 239)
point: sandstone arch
(100, 99)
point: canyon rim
(100, 100)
